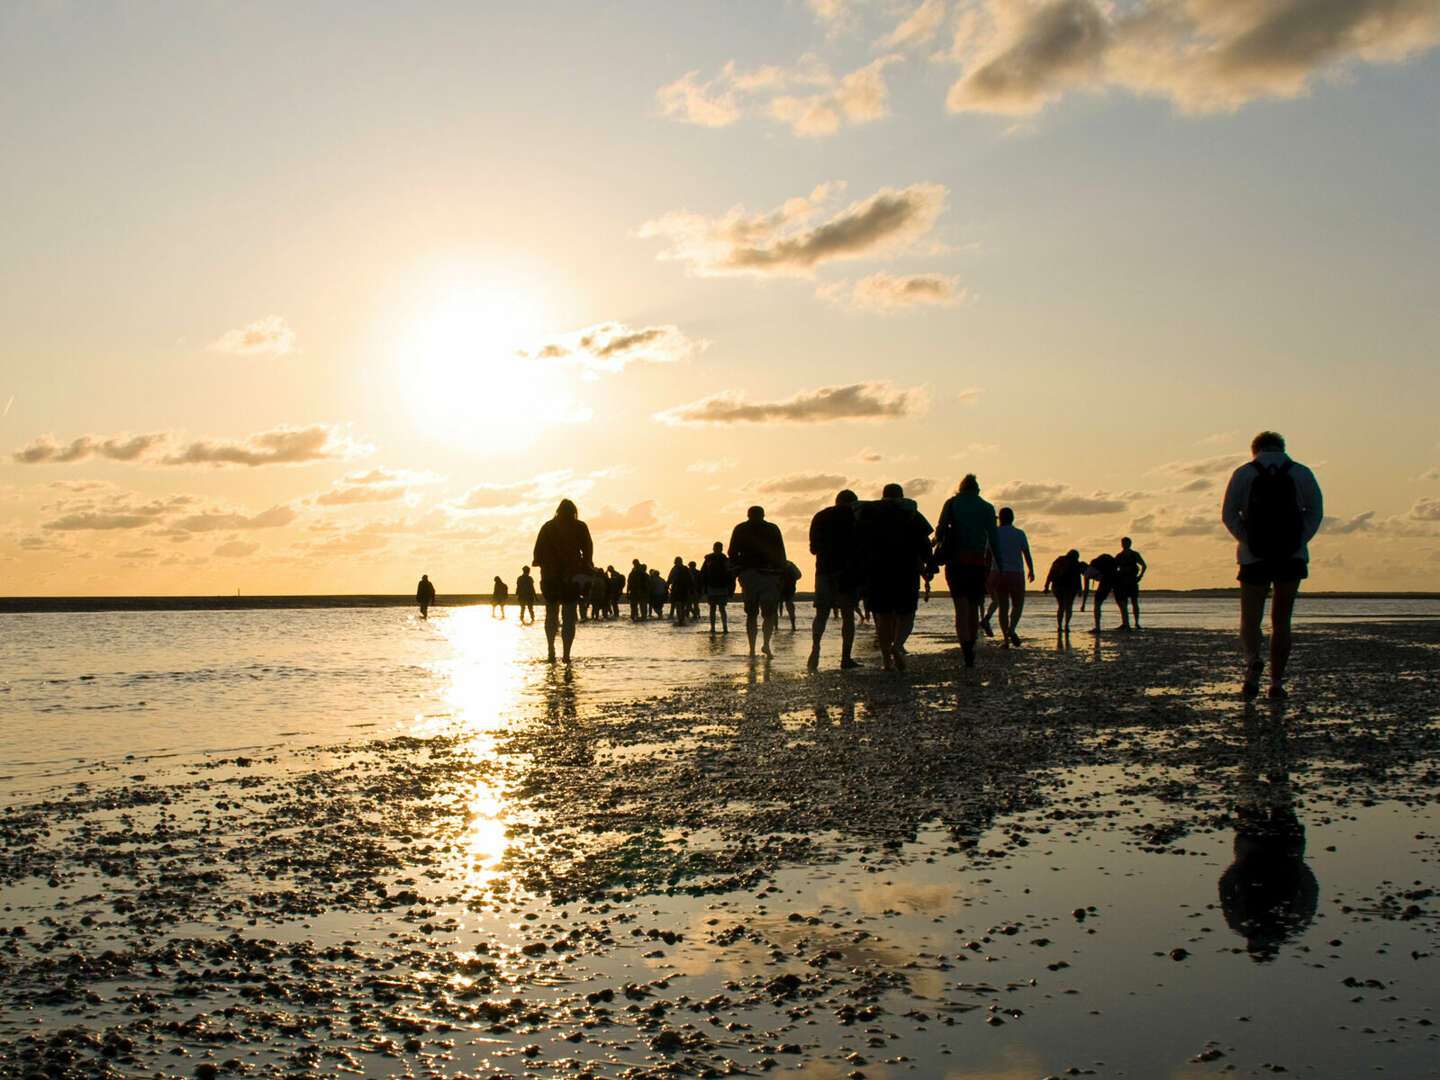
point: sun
(461, 355)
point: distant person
(694, 590)
(757, 551)
(1065, 580)
(1007, 580)
(425, 595)
(893, 539)
(565, 553)
(679, 584)
(965, 532)
(614, 586)
(599, 587)
(717, 581)
(1273, 507)
(525, 594)
(788, 581)
(837, 575)
(1129, 569)
(499, 593)
(657, 588)
(637, 591)
(1101, 571)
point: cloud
(377, 485)
(1170, 522)
(121, 510)
(544, 489)
(918, 27)
(1211, 466)
(786, 485)
(280, 446)
(1219, 438)
(611, 347)
(1430, 474)
(236, 549)
(868, 455)
(969, 396)
(918, 486)
(1426, 510)
(1202, 55)
(1200, 483)
(858, 401)
(1359, 523)
(788, 241)
(273, 518)
(264, 337)
(1057, 499)
(640, 518)
(891, 292)
(807, 98)
(46, 451)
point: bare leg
(1003, 601)
(1016, 609)
(885, 637)
(1280, 612)
(567, 632)
(847, 633)
(771, 616)
(750, 628)
(552, 626)
(817, 631)
(1252, 610)
(904, 623)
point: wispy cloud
(236, 549)
(115, 510)
(896, 292)
(790, 241)
(794, 482)
(858, 401)
(1343, 526)
(918, 27)
(376, 485)
(641, 518)
(1426, 510)
(47, 451)
(711, 466)
(1211, 466)
(273, 518)
(1171, 522)
(611, 347)
(269, 336)
(1203, 55)
(280, 446)
(1057, 499)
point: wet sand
(1095, 861)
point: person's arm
(1313, 512)
(539, 557)
(1141, 560)
(1025, 550)
(1233, 505)
(587, 547)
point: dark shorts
(966, 581)
(760, 589)
(1272, 571)
(1009, 582)
(833, 591)
(893, 594)
(1126, 590)
(564, 590)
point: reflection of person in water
(525, 593)
(564, 553)
(1268, 894)
(425, 595)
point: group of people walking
(883, 552)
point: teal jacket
(965, 529)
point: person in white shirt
(1007, 579)
(1273, 507)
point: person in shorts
(1065, 581)
(1007, 579)
(757, 551)
(565, 553)
(1101, 571)
(1272, 548)
(717, 583)
(964, 532)
(1129, 569)
(832, 542)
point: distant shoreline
(15, 605)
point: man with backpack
(1273, 507)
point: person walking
(717, 581)
(565, 553)
(964, 532)
(525, 594)
(757, 551)
(425, 595)
(893, 539)
(499, 593)
(837, 570)
(1273, 508)
(1007, 580)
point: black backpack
(1273, 525)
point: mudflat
(1086, 860)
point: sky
(314, 298)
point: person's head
(566, 510)
(892, 491)
(719, 548)
(679, 561)
(1007, 516)
(692, 564)
(634, 562)
(755, 513)
(969, 485)
(1125, 543)
(497, 579)
(424, 577)
(1073, 555)
(846, 497)
(1267, 440)
(524, 571)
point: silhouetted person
(425, 595)
(1129, 569)
(599, 586)
(757, 551)
(789, 579)
(694, 589)
(679, 585)
(564, 553)
(893, 538)
(499, 593)
(614, 586)
(837, 575)
(1268, 893)
(965, 532)
(1007, 580)
(1273, 507)
(1101, 570)
(525, 594)
(1066, 578)
(656, 585)
(637, 591)
(718, 582)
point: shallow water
(859, 873)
